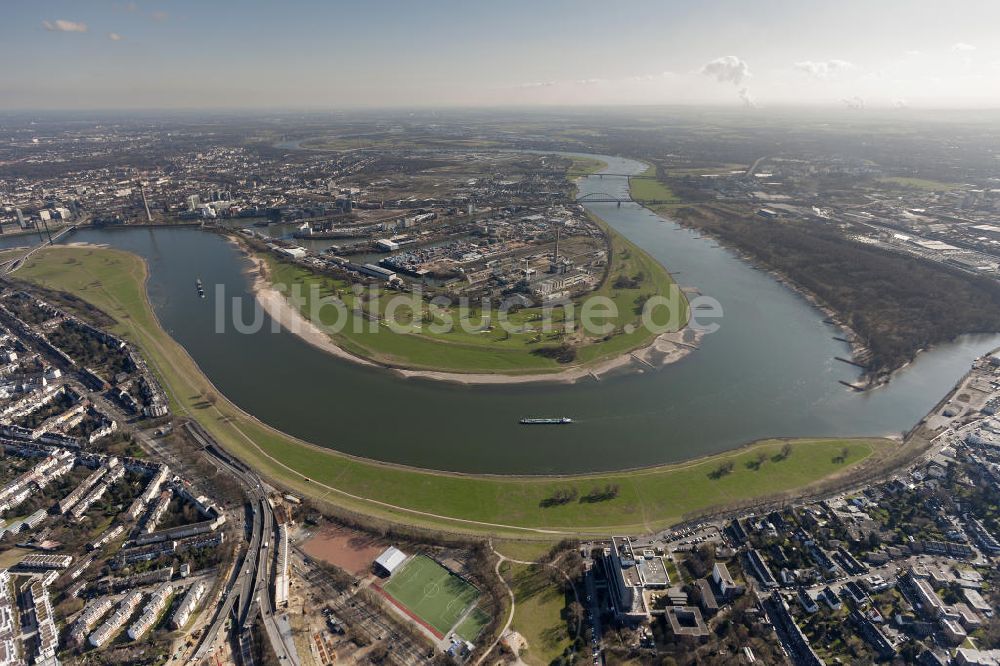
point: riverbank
(488, 357)
(277, 307)
(644, 499)
(508, 362)
(859, 353)
(665, 349)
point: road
(594, 616)
(247, 593)
(13, 264)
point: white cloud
(114, 36)
(727, 69)
(856, 102)
(962, 47)
(62, 25)
(900, 104)
(747, 100)
(538, 84)
(824, 69)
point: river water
(768, 371)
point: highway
(13, 264)
(247, 593)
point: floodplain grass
(651, 498)
(435, 595)
(650, 188)
(584, 166)
(526, 551)
(456, 351)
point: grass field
(11, 556)
(510, 506)
(538, 608)
(646, 188)
(435, 595)
(526, 551)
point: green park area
(511, 506)
(539, 608)
(436, 597)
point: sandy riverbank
(665, 349)
(277, 307)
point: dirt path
(501, 558)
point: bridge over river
(603, 197)
(769, 370)
(12, 265)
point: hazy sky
(332, 53)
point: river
(768, 371)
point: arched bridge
(603, 197)
(630, 176)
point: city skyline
(448, 54)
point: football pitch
(431, 593)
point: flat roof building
(687, 621)
(625, 581)
(724, 581)
(46, 562)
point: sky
(319, 54)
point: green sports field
(433, 594)
(473, 625)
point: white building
(389, 560)
(281, 575)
